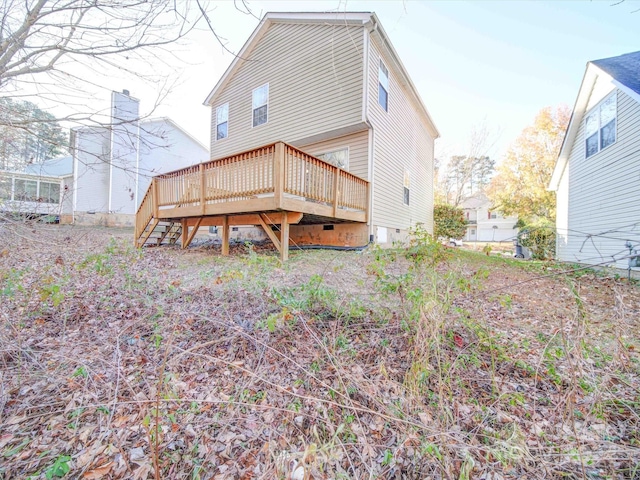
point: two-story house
(597, 171)
(486, 224)
(330, 86)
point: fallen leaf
(99, 472)
(136, 454)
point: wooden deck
(272, 185)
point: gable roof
(476, 201)
(623, 68)
(337, 18)
(624, 72)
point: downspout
(365, 118)
(73, 141)
(111, 141)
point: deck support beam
(269, 232)
(187, 239)
(225, 235)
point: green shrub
(539, 236)
(448, 222)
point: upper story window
(600, 126)
(406, 187)
(260, 103)
(339, 158)
(222, 121)
(383, 86)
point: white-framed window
(339, 158)
(25, 190)
(407, 185)
(260, 104)
(600, 126)
(5, 188)
(383, 86)
(49, 192)
(222, 121)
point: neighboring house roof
(623, 68)
(479, 200)
(339, 18)
(624, 72)
(174, 125)
(147, 122)
(54, 167)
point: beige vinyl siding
(358, 145)
(603, 193)
(314, 72)
(400, 141)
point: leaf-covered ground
(420, 363)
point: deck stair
(161, 232)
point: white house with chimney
(113, 166)
(108, 172)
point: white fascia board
(588, 81)
(635, 96)
(315, 17)
(33, 176)
(399, 67)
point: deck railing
(316, 180)
(274, 177)
(145, 211)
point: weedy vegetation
(418, 361)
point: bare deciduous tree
(63, 52)
(467, 174)
(44, 36)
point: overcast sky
(472, 62)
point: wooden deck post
(185, 231)
(156, 208)
(225, 235)
(336, 191)
(284, 238)
(278, 173)
(202, 192)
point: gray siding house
(596, 175)
(332, 85)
